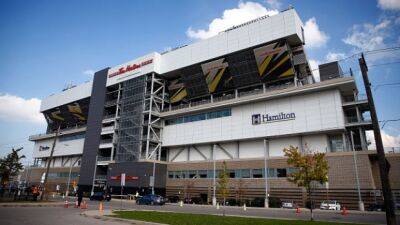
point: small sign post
(122, 186)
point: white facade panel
(315, 143)
(313, 113)
(76, 93)
(276, 146)
(63, 148)
(284, 24)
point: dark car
(151, 200)
(376, 207)
(100, 196)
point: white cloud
(387, 139)
(245, 11)
(335, 56)
(14, 108)
(88, 72)
(314, 69)
(367, 36)
(314, 36)
(275, 4)
(389, 4)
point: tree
(10, 165)
(223, 181)
(310, 167)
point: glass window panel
(281, 172)
(257, 173)
(245, 173)
(202, 173)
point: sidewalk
(31, 204)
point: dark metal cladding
(93, 130)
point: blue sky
(44, 45)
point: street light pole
(360, 202)
(214, 199)
(382, 161)
(266, 153)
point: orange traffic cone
(344, 211)
(66, 204)
(101, 207)
(76, 204)
(84, 205)
(297, 210)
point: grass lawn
(198, 219)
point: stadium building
(169, 120)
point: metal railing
(354, 119)
(108, 116)
(106, 141)
(229, 97)
(61, 131)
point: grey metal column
(360, 202)
(266, 154)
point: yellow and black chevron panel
(177, 90)
(216, 75)
(76, 110)
(57, 116)
(273, 61)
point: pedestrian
(80, 196)
(35, 193)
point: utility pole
(383, 167)
(48, 164)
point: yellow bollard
(217, 205)
(181, 203)
(244, 207)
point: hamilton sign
(270, 118)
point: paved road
(47, 216)
(71, 216)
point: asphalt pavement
(71, 216)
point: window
(202, 173)
(257, 173)
(199, 117)
(336, 143)
(281, 172)
(245, 173)
(271, 172)
(177, 175)
(231, 173)
(192, 173)
(170, 174)
(72, 137)
(291, 170)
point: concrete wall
(248, 149)
(315, 112)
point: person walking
(80, 196)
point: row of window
(198, 117)
(239, 173)
(72, 137)
(63, 175)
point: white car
(330, 205)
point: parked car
(173, 199)
(330, 205)
(100, 196)
(151, 200)
(376, 207)
(288, 205)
